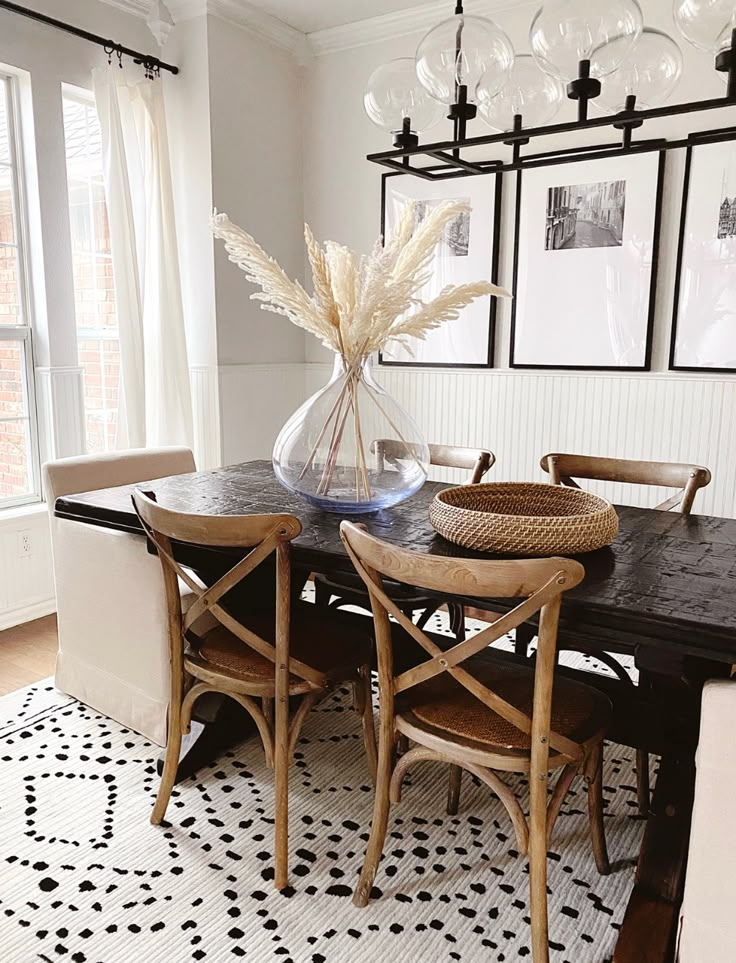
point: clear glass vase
(351, 448)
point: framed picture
(468, 252)
(585, 263)
(704, 322)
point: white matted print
(704, 327)
(468, 252)
(585, 264)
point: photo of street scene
(456, 239)
(585, 216)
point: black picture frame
(647, 365)
(495, 256)
(700, 139)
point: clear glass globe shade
(651, 71)
(564, 32)
(461, 50)
(393, 93)
(531, 92)
(705, 23)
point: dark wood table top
(666, 579)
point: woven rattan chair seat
(578, 711)
(319, 639)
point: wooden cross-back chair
(483, 715)
(563, 469)
(261, 664)
(349, 590)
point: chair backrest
(476, 460)
(264, 535)
(89, 473)
(563, 469)
(538, 582)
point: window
(94, 285)
(19, 463)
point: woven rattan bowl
(524, 518)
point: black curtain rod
(109, 45)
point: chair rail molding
(60, 407)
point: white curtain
(155, 402)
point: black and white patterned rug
(86, 878)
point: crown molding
(403, 23)
(245, 15)
(139, 8)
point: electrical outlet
(25, 546)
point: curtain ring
(120, 58)
(109, 50)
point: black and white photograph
(704, 322)
(456, 239)
(467, 252)
(585, 215)
(593, 310)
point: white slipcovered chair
(707, 921)
(113, 633)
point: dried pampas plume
(359, 304)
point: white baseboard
(26, 613)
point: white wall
(342, 201)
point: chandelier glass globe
(393, 93)
(530, 92)
(458, 52)
(564, 32)
(706, 24)
(651, 71)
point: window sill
(14, 512)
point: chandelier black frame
(582, 89)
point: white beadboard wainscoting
(521, 415)
(26, 575)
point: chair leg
(457, 620)
(281, 776)
(594, 779)
(322, 594)
(642, 781)
(426, 614)
(524, 638)
(538, 870)
(453, 790)
(381, 807)
(171, 765)
(365, 708)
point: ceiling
(311, 15)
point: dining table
(664, 590)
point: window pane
(94, 284)
(4, 136)
(11, 311)
(15, 473)
(100, 360)
(7, 216)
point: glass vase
(351, 448)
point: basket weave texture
(524, 518)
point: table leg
(649, 928)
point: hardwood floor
(27, 653)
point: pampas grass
(359, 303)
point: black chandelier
(592, 51)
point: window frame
(22, 333)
